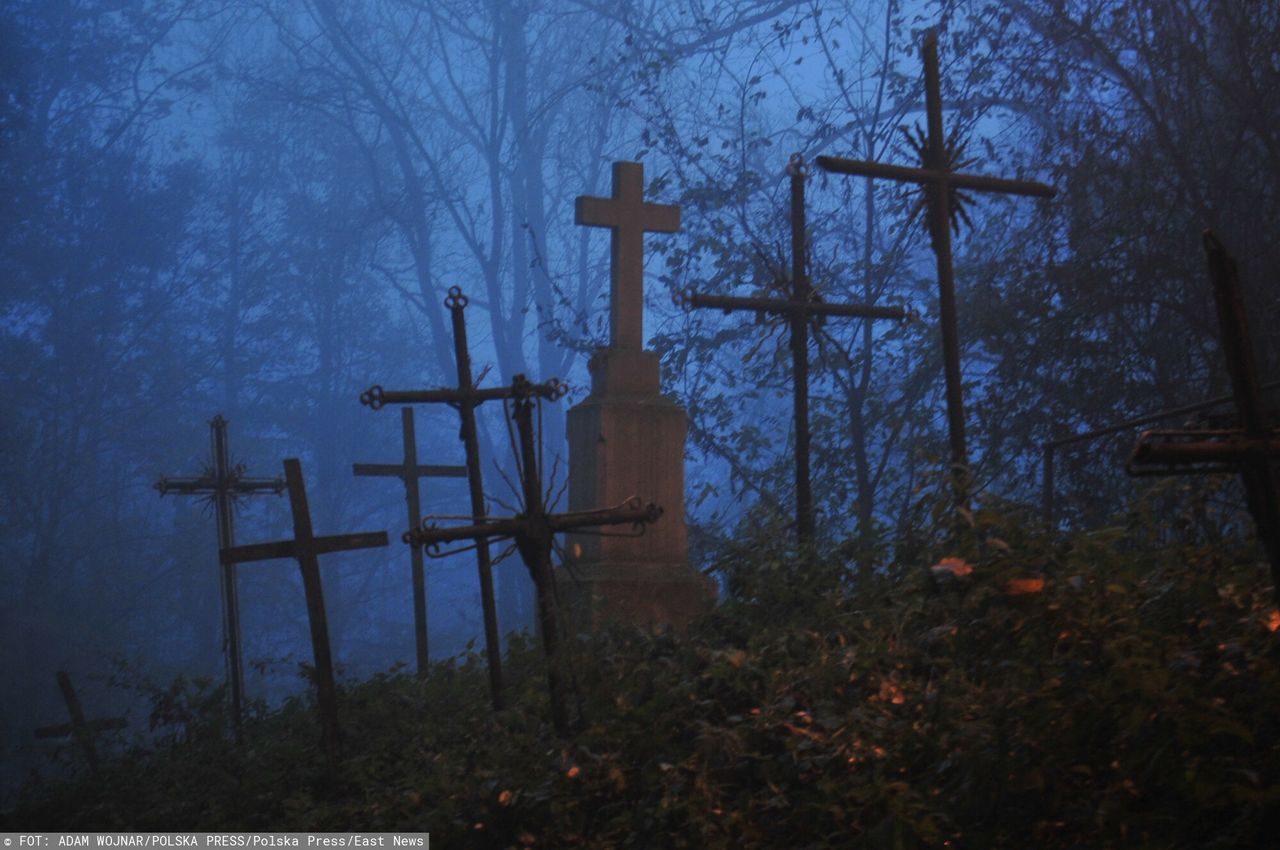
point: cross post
(464, 398)
(222, 484)
(79, 729)
(941, 183)
(1248, 445)
(410, 471)
(803, 308)
(533, 533)
(628, 217)
(306, 549)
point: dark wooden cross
(942, 186)
(306, 549)
(409, 471)
(465, 398)
(223, 483)
(1248, 443)
(628, 217)
(79, 729)
(801, 309)
(533, 532)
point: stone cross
(628, 217)
(801, 309)
(465, 398)
(79, 729)
(410, 471)
(223, 483)
(306, 549)
(937, 174)
(1248, 444)
(533, 532)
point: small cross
(801, 309)
(306, 548)
(409, 471)
(628, 217)
(464, 399)
(533, 532)
(79, 729)
(223, 483)
(939, 178)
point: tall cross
(79, 729)
(465, 398)
(409, 471)
(942, 184)
(533, 532)
(802, 308)
(306, 549)
(223, 483)
(1250, 444)
(629, 217)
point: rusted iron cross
(1250, 443)
(223, 483)
(465, 398)
(942, 185)
(803, 307)
(79, 729)
(533, 532)
(628, 217)
(306, 549)
(410, 471)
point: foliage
(1084, 691)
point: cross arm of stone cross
(911, 174)
(628, 217)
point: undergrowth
(1082, 692)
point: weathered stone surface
(627, 439)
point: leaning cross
(628, 217)
(306, 548)
(533, 532)
(223, 483)
(1250, 445)
(464, 399)
(79, 729)
(941, 183)
(801, 309)
(409, 471)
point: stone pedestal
(627, 439)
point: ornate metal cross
(223, 483)
(306, 549)
(628, 217)
(79, 729)
(1248, 443)
(533, 532)
(801, 309)
(942, 186)
(410, 471)
(465, 398)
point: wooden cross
(628, 217)
(1249, 444)
(465, 398)
(409, 471)
(223, 483)
(306, 549)
(942, 184)
(79, 729)
(801, 309)
(533, 532)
